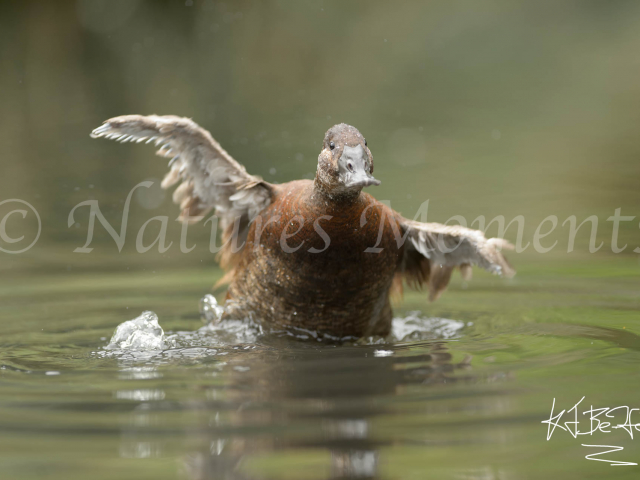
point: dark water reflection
(319, 398)
(465, 401)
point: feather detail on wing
(433, 251)
(211, 178)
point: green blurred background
(484, 108)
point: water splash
(143, 338)
(210, 310)
(417, 327)
(143, 333)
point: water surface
(463, 402)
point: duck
(319, 255)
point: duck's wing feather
(433, 250)
(210, 177)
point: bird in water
(318, 255)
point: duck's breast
(318, 260)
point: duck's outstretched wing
(432, 251)
(210, 177)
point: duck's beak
(354, 168)
(362, 181)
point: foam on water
(143, 338)
(417, 327)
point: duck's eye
(350, 166)
(332, 145)
(365, 142)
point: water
(457, 398)
(140, 335)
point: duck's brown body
(329, 284)
(320, 256)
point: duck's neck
(335, 193)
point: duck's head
(345, 164)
